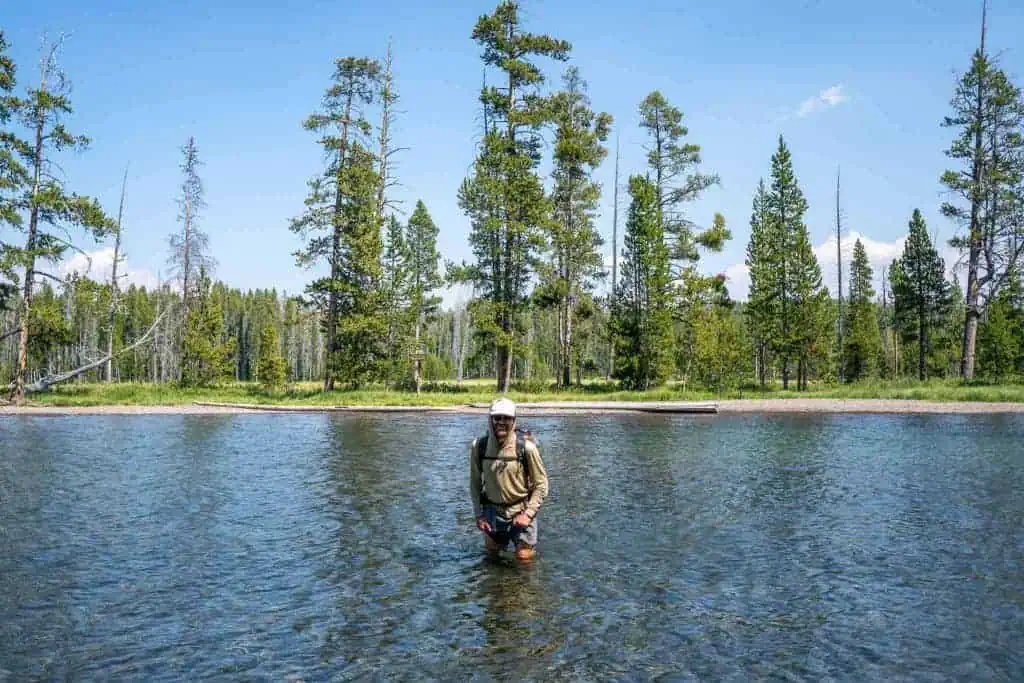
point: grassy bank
(481, 391)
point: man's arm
(474, 480)
(539, 476)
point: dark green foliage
(504, 198)
(271, 367)
(863, 341)
(576, 263)
(48, 329)
(395, 299)
(642, 317)
(988, 116)
(424, 280)
(46, 211)
(761, 311)
(788, 312)
(1001, 335)
(722, 351)
(921, 294)
(343, 202)
(206, 355)
(674, 164)
(13, 175)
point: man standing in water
(507, 483)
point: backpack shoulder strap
(521, 451)
(481, 448)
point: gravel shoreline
(742, 406)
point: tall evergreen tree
(13, 175)
(863, 339)
(674, 165)
(988, 113)
(642, 319)
(505, 198)
(395, 296)
(271, 366)
(576, 262)
(813, 332)
(424, 277)
(921, 293)
(793, 275)
(206, 354)
(35, 193)
(337, 203)
(762, 309)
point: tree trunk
(113, 284)
(973, 313)
(418, 368)
(18, 396)
(332, 306)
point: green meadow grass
(482, 391)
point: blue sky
(859, 85)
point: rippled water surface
(325, 547)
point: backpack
(521, 438)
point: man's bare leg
(524, 552)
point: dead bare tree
(113, 280)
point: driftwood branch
(48, 381)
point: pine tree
(271, 367)
(33, 191)
(921, 292)
(642, 318)
(761, 311)
(206, 355)
(863, 340)
(576, 262)
(505, 198)
(338, 202)
(814, 326)
(674, 166)
(424, 278)
(792, 275)
(988, 113)
(395, 296)
(13, 175)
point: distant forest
(534, 317)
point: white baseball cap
(503, 406)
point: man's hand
(522, 520)
(483, 525)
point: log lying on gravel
(48, 381)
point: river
(337, 547)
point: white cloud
(880, 255)
(829, 97)
(737, 281)
(100, 267)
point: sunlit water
(325, 547)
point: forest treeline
(534, 316)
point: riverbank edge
(733, 406)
